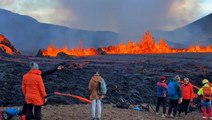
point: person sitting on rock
(175, 94)
(95, 96)
(161, 94)
(205, 92)
(187, 95)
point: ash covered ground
(129, 77)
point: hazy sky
(130, 17)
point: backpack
(171, 88)
(102, 87)
(9, 113)
(207, 93)
(122, 103)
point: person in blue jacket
(175, 95)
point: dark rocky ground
(128, 77)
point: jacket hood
(34, 71)
(173, 79)
(96, 78)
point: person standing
(34, 92)
(187, 95)
(43, 74)
(175, 94)
(205, 92)
(95, 96)
(161, 94)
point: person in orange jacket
(34, 92)
(43, 74)
(187, 96)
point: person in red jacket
(161, 94)
(187, 96)
(34, 92)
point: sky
(127, 17)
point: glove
(60, 67)
(45, 100)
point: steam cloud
(130, 18)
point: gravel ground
(82, 112)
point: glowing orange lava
(147, 45)
(4, 47)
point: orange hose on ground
(74, 96)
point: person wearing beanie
(205, 93)
(161, 94)
(187, 96)
(34, 90)
(34, 65)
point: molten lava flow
(147, 45)
(53, 52)
(4, 47)
(1, 38)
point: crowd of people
(180, 94)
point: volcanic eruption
(7, 47)
(146, 45)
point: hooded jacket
(178, 91)
(33, 88)
(94, 87)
